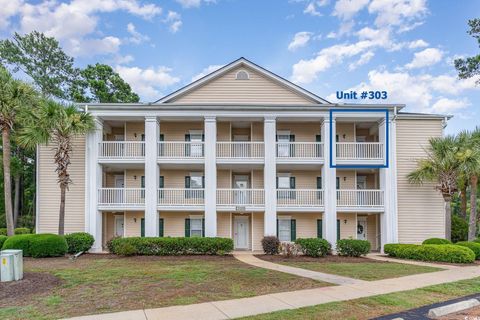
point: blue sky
(404, 47)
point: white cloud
(74, 23)
(346, 9)
(397, 12)
(425, 58)
(174, 20)
(300, 40)
(364, 58)
(417, 44)
(194, 3)
(10, 8)
(148, 82)
(312, 6)
(206, 71)
(449, 106)
(136, 37)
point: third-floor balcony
(240, 151)
(299, 151)
(192, 151)
(359, 151)
(114, 151)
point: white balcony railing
(240, 150)
(302, 150)
(360, 198)
(359, 150)
(121, 150)
(180, 197)
(180, 149)
(299, 198)
(121, 197)
(240, 197)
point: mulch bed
(32, 283)
(326, 259)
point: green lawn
(98, 284)
(367, 308)
(358, 268)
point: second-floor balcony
(359, 152)
(360, 200)
(243, 151)
(180, 150)
(299, 151)
(299, 199)
(180, 198)
(241, 199)
(121, 198)
(121, 151)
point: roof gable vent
(242, 75)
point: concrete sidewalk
(230, 309)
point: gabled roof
(237, 63)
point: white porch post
(151, 176)
(329, 225)
(93, 221)
(210, 177)
(270, 175)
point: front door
(240, 184)
(240, 229)
(362, 228)
(119, 226)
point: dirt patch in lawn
(32, 283)
(326, 259)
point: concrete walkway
(235, 308)
(315, 275)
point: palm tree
(57, 125)
(15, 98)
(469, 157)
(440, 166)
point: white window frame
(289, 224)
(284, 175)
(192, 230)
(236, 75)
(196, 175)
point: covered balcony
(240, 199)
(121, 198)
(299, 142)
(123, 142)
(181, 199)
(360, 200)
(181, 142)
(300, 199)
(240, 142)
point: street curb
(452, 308)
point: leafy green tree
(57, 125)
(16, 98)
(441, 166)
(470, 67)
(100, 83)
(43, 60)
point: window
(196, 180)
(284, 182)
(196, 227)
(242, 75)
(284, 230)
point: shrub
(270, 245)
(22, 231)
(459, 229)
(170, 246)
(431, 252)
(109, 244)
(2, 240)
(353, 247)
(289, 249)
(79, 242)
(436, 241)
(38, 245)
(3, 231)
(314, 247)
(474, 246)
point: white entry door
(119, 226)
(240, 229)
(362, 228)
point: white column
(270, 176)
(93, 223)
(329, 225)
(151, 176)
(210, 177)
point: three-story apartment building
(243, 153)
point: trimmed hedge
(474, 246)
(353, 247)
(38, 245)
(431, 252)
(271, 245)
(2, 240)
(157, 246)
(436, 241)
(3, 231)
(314, 247)
(79, 242)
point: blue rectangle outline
(366, 166)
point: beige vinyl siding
(306, 223)
(257, 230)
(133, 178)
(224, 179)
(366, 134)
(372, 231)
(108, 226)
(257, 179)
(223, 131)
(304, 132)
(176, 178)
(49, 191)
(346, 129)
(241, 132)
(305, 179)
(176, 131)
(257, 131)
(134, 131)
(420, 208)
(347, 179)
(258, 89)
(133, 228)
(348, 230)
(223, 224)
(115, 131)
(174, 222)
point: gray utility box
(17, 262)
(6, 267)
